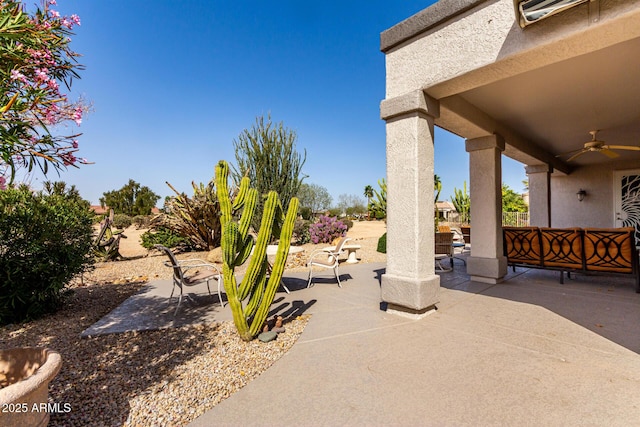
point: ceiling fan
(600, 147)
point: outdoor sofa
(580, 250)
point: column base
(401, 311)
(487, 270)
(415, 295)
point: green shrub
(301, 231)
(306, 213)
(381, 215)
(382, 244)
(165, 237)
(122, 221)
(45, 240)
(348, 223)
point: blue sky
(173, 83)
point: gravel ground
(151, 378)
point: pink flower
(52, 84)
(17, 75)
(66, 23)
(52, 2)
(41, 74)
(75, 144)
(77, 115)
(54, 13)
(3, 183)
(76, 19)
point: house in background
(513, 80)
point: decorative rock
(278, 330)
(279, 322)
(267, 336)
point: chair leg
(179, 302)
(335, 271)
(310, 277)
(219, 292)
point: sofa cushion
(609, 249)
(562, 247)
(522, 245)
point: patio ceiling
(556, 106)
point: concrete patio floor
(526, 351)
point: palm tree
(368, 193)
(437, 188)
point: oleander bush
(45, 241)
(326, 229)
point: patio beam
(463, 118)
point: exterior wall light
(581, 195)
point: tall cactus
(251, 299)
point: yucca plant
(196, 219)
(251, 299)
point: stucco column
(487, 262)
(410, 285)
(539, 195)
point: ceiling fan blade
(610, 154)
(623, 147)
(576, 155)
(570, 152)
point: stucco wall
(597, 208)
(488, 38)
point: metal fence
(513, 219)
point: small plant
(301, 231)
(326, 230)
(163, 236)
(382, 244)
(122, 221)
(348, 223)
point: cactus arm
(248, 211)
(245, 250)
(235, 304)
(222, 172)
(257, 293)
(242, 193)
(278, 267)
(260, 248)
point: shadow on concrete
(606, 305)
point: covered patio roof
(542, 88)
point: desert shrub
(301, 231)
(122, 221)
(326, 229)
(165, 237)
(45, 240)
(142, 221)
(196, 218)
(348, 223)
(382, 244)
(306, 213)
